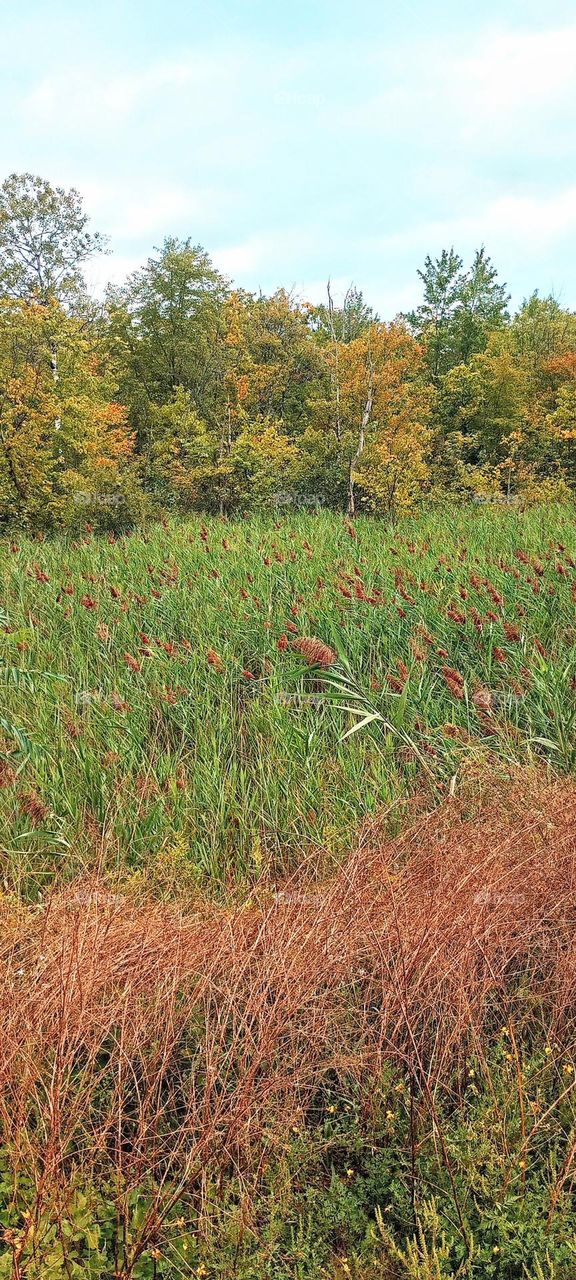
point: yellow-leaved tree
(66, 455)
(384, 406)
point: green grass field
(176, 735)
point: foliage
(459, 309)
(167, 324)
(44, 240)
(65, 450)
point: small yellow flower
(399, 1088)
(522, 1164)
(331, 1109)
(156, 1253)
(349, 1173)
(472, 1073)
(504, 1032)
(569, 1068)
(390, 1115)
(548, 1051)
(496, 1249)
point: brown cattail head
(7, 774)
(316, 652)
(483, 701)
(117, 702)
(455, 681)
(132, 662)
(33, 806)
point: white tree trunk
(365, 419)
(334, 373)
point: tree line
(180, 391)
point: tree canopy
(184, 391)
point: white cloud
(439, 91)
(81, 98)
(515, 220)
(515, 70)
(264, 251)
(143, 209)
(532, 219)
(238, 259)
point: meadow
(175, 729)
(288, 936)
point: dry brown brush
(142, 1041)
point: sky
(305, 140)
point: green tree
(481, 407)
(459, 309)
(44, 240)
(482, 307)
(433, 321)
(167, 328)
(542, 331)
